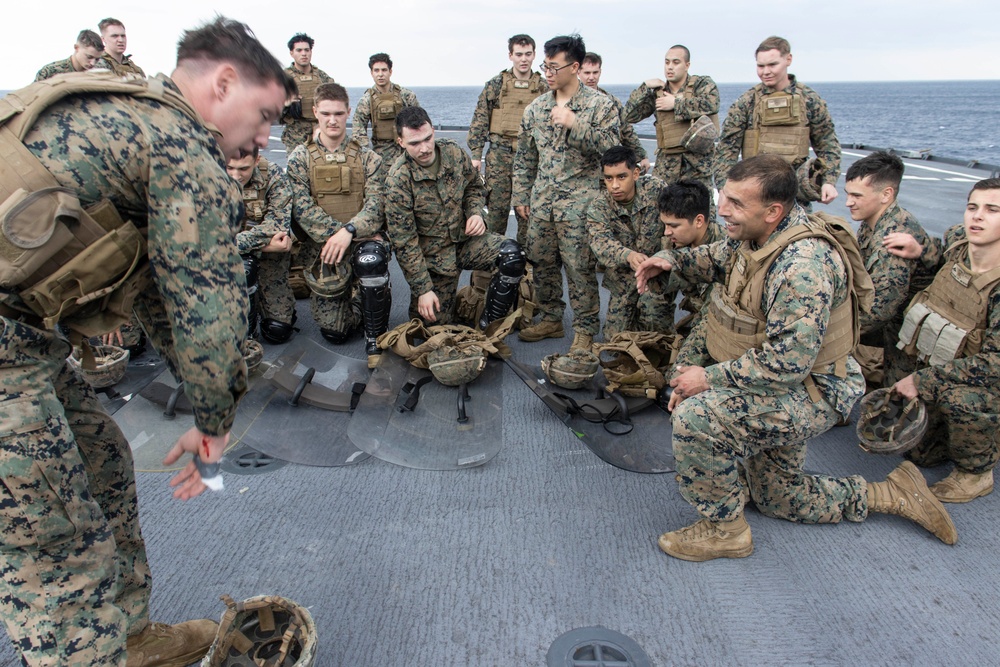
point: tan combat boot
(961, 487)
(162, 645)
(904, 492)
(582, 341)
(705, 540)
(542, 330)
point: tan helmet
(329, 280)
(573, 370)
(889, 423)
(701, 136)
(810, 178)
(263, 630)
(112, 361)
(253, 354)
(453, 365)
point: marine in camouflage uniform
(75, 574)
(126, 67)
(58, 67)
(87, 52)
(269, 217)
(557, 174)
(387, 149)
(426, 210)
(694, 295)
(616, 231)
(299, 130)
(500, 156)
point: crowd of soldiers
(769, 353)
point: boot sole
(692, 558)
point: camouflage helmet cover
(329, 280)
(112, 362)
(253, 354)
(700, 138)
(263, 630)
(889, 423)
(452, 365)
(571, 371)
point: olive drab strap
(640, 362)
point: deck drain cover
(245, 460)
(596, 647)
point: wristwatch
(351, 229)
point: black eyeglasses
(552, 69)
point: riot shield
(408, 418)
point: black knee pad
(511, 260)
(335, 337)
(370, 260)
(275, 332)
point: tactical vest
(126, 68)
(736, 323)
(670, 129)
(780, 126)
(948, 320)
(385, 106)
(74, 266)
(515, 96)
(337, 180)
(255, 199)
(307, 83)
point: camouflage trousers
(340, 315)
(551, 246)
(75, 577)
(499, 185)
(274, 293)
(962, 426)
(630, 311)
(715, 428)
(445, 264)
(296, 133)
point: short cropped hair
(591, 57)
(685, 200)
(380, 58)
(617, 155)
(226, 40)
(775, 42)
(775, 176)
(986, 184)
(571, 45)
(687, 52)
(91, 39)
(108, 22)
(333, 92)
(300, 37)
(885, 169)
(520, 40)
(413, 118)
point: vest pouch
(779, 109)
(84, 282)
(115, 310)
(386, 111)
(751, 143)
(35, 227)
(334, 179)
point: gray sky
(446, 42)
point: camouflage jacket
(629, 138)
(642, 102)
(423, 208)
(891, 275)
(127, 67)
(58, 67)
(164, 171)
(558, 171)
(323, 78)
(317, 223)
(616, 230)
(806, 281)
(363, 111)
(739, 118)
(934, 248)
(489, 99)
(696, 294)
(978, 370)
(277, 210)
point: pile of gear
(638, 362)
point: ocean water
(955, 119)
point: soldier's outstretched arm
(640, 105)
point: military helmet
(889, 423)
(571, 371)
(810, 178)
(453, 365)
(263, 630)
(111, 364)
(701, 136)
(253, 354)
(329, 280)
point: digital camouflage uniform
(962, 395)
(126, 67)
(313, 226)
(629, 138)
(694, 295)
(758, 407)
(615, 230)
(500, 157)
(276, 299)
(739, 119)
(557, 172)
(299, 130)
(75, 578)
(671, 168)
(389, 150)
(426, 213)
(896, 280)
(58, 67)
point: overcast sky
(446, 42)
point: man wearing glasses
(557, 173)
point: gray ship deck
(488, 566)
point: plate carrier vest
(337, 180)
(385, 107)
(255, 199)
(670, 129)
(307, 83)
(515, 96)
(779, 126)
